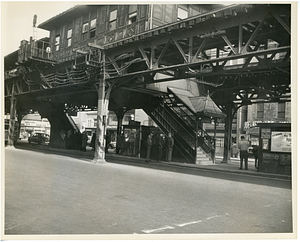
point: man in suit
(243, 146)
(169, 144)
(161, 146)
(149, 145)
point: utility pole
(99, 156)
(104, 91)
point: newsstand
(275, 148)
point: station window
(260, 110)
(113, 19)
(85, 30)
(57, 42)
(281, 110)
(93, 28)
(69, 37)
(132, 14)
(182, 14)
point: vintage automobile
(40, 138)
(112, 145)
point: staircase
(172, 115)
(61, 124)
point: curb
(185, 165)
(258, 174)
(87, 156)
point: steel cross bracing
(243, 50)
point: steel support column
(13, 104)
(102, 115)
(229, 108)
(120, 114)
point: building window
(93, 28)
(132, 14)
(69, 37)
(260, 110)
(57, 41)
(182, 14)
(113, 20)
(281, 110)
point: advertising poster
(281, 142)
(265, 133)
(265, 143)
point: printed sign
(281, 142)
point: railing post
(215, 132)
(196, 141)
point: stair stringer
(202, 158)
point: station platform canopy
(202, 106)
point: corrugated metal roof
(205, 106)
(202, 105)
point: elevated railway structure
(227, 56)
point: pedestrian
(119, 144)
(161, 146)
(107, 142)
(243, 146)
(234, 150)
(149, 145)
(255, 154)
(169, 144)
(84, 139)
(93, 141)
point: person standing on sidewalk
(161, 146)
(170, 144)
(243, 146)
(93, 141)
(255, 154)
(149, 145)
(84, 140)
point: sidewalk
(231, 167)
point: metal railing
(34, 49)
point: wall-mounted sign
(281, 141)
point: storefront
(275, 147)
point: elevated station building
(190, 67)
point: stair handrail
(72, 122)
(207, 142)
(192, 150)
(192, 132)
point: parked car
(112, 145)
(40, 138)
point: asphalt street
(48, 194)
